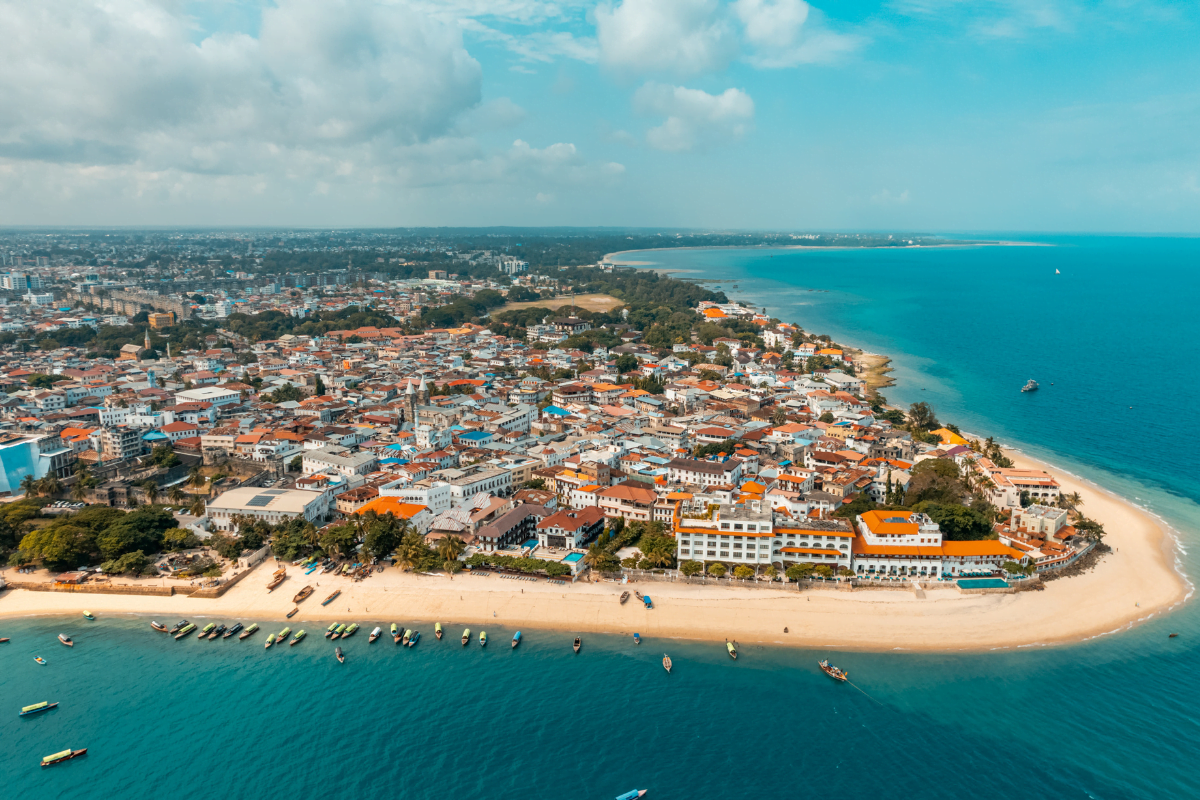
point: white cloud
(681, 37)
(784, 33)
(887, 198)
(693, 117)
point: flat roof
(253, 498)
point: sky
(910, 115)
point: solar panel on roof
(260, 500)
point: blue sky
(932, 115)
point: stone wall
(96, 588)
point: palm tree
(177, 494)
(28, 485)
(79, 491)
(197, 508)
(195, 477)
(1072, 500)
(49, 485)
(151, 491)
(449, 549)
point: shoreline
(1000, 243)
(1133, 584)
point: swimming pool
(573, 557)
(982, 583)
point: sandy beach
(1134, 582)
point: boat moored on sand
(624, 597)
(331, 597)
(303, 594)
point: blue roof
(476, 435)
(556, 410)
(154, 436)
(393, 461)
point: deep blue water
(1115, 717)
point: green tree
(28, 485)
(827, 418)
(957, 523)
(771, 572)
(197, 508)
(134, 563)
(536, 483)
(176, 540)
(412, 550)
(138, 530)
(449, 549)
(177, 494)
(60, 547)
(922, 417)
(1090, 528)
(151, 488)
(799, 572)
(626, 362)
(779, 416)
(717, 569)
(195, 477)
(339, 540)
(691, 568)
(824, 570)
(319, 387)
(164, 456)
(228, 546)
(79, 491)
(384, 534)
(296, 464)
(742, 572)
(935, 480)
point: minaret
(147, 338)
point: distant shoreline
(609, 256)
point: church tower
(410, 405)
(423, 393)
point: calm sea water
(1111, 718)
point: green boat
(395, 633)
(65, 755)
(329, 631)
(483, 638)
(353, 627)
(337, 632)
(207, 629)
(407, 635)
(88, 615)
(283, 634)
(37, 708)
(185, 630)
(437, 630)
(270, 641)
(299, 635)
(466, 637)
(249, 631)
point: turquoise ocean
(1113, 717)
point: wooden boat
(350, 630)
(158, 627)
(466, 637)
(637, 638)
(303, 594)
(646, 600)
(437, 630)
(249, 631)
(833, 672)
(65, 755)
(374, 635)
(40, 660)
(3, 640)
(667, 663)
(89, 615)
(296, 639)
(624, 597)
(732, 650)
(396, 633)
(329, 631)
(483, 638)
(1173, 635)
(62, 637)
(516, 640)
(331, 597)
(37, 708)
(216, 634)
(270, 641)
(416, 637)
(184, 631)
(337, 651)
(279, 577)
(638, 595)
(337, 632)
(281, 637)
(578, 643)
(407, 635)
(292, 613)
(236, 627)
(179, 626)
(206, 630)
(633, 794)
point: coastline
(608, 256)
(1132, 584)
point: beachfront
(1134, 582)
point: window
(712, 553)
(724, 554)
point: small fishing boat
(37, 708)
(833, 672)
(337, 651)
(1030, 386)
(732, 650)
(633, 794)
(249, 631)
(404, 639)
(279, 577)
(648, 602)
(337, 632)
(437, 630)
(331, 597)
(637, 638)
(466, 637)
(270, 641)
(578, 643)
(40, 660)
(89, 615)
(416, 637)
(396, 633)
(206, 630)
(282, 635)
(516, 640)
(624, 597)
(65, 755)
(3, 639)
(638, 595)
(292, 613)
(237, 626)
(667, 663)
(158, 627)
(185, 630)
(1172, 636)
(374, 635)
(329, 631)
(179, 626)
(62, 637)
(303, 594)
(350, 630)
(483, 638)
(296, 639)
(216, 634)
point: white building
(209, 394)
(273, 506)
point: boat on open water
(412, 640)
(281, 637)
(329, 631)
(396, 634)
(667, 662)
(62, 637)
(206, 630)
(337, 651)
(65, 755)
(578, 643)
(37, 708)
(516, 640)
(158, 627)
(89, 615)
(346, 634)
(834, 672)
(216, 634)
(466, 637)
(437, 630)
(296, 639)
(1030, 386)
(337, 632)
(633, 794)
(270, 641)
(483, 638)
(41, 660)
(249, 631)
